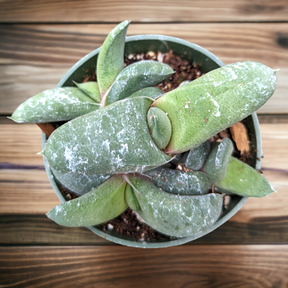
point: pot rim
(178, 241)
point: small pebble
(110, 227)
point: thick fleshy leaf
(114, 139)
(80, 183)
(98, 206)
(179, 182)
(111, 57)
(136, 76)
(91, 89)
(215, 101)
(243, 180)
(131, 198)
(196, 157)
(159, 126)
(175, 215)
(52, 105)
(151, 92)
(218, 159)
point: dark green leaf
(53, 105)
(175, 215)
(179, 182)
(80, 183)
(151, 92)
(136, 76)
(114, 139)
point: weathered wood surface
(35, 57)
(39, 42)
(26, 195)
(142, 11)
(260, 221)
(20, 143)
(184, 266)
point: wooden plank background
(34, 57)
(39, 42)
(142, 11)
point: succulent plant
(122, 132)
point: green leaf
(179, 182)
(80, 183)
(58, 104)
(98, 206)
(218, 159)
(215, 101)
(130, 198)
(159, 126)
(196, 157)
(243, 180)
(136, 76)
(111, 57)
(91, 89)
(175, 215)
(151, 92)
(114, 139)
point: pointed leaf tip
(111, 57)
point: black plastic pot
(195, 54)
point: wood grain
(20, 143)
(35, 57)
(25, 197)
(24, 152)
(116, 266)
(142, 11)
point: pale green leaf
(91, 89)
(98, 206)
(111, 57)
(215, 101)
(243, 180)
(159, 126)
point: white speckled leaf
(243, 180)
(175, 215)
(215, 101)
(114, 139)
(179, 182)
(151, 92)
(58, 104)
(196, 157)
(111, 57)
(136, 76)
(218, 159)
(80, 183)
(91, 89)
(98, 206)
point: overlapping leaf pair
(123, 132)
